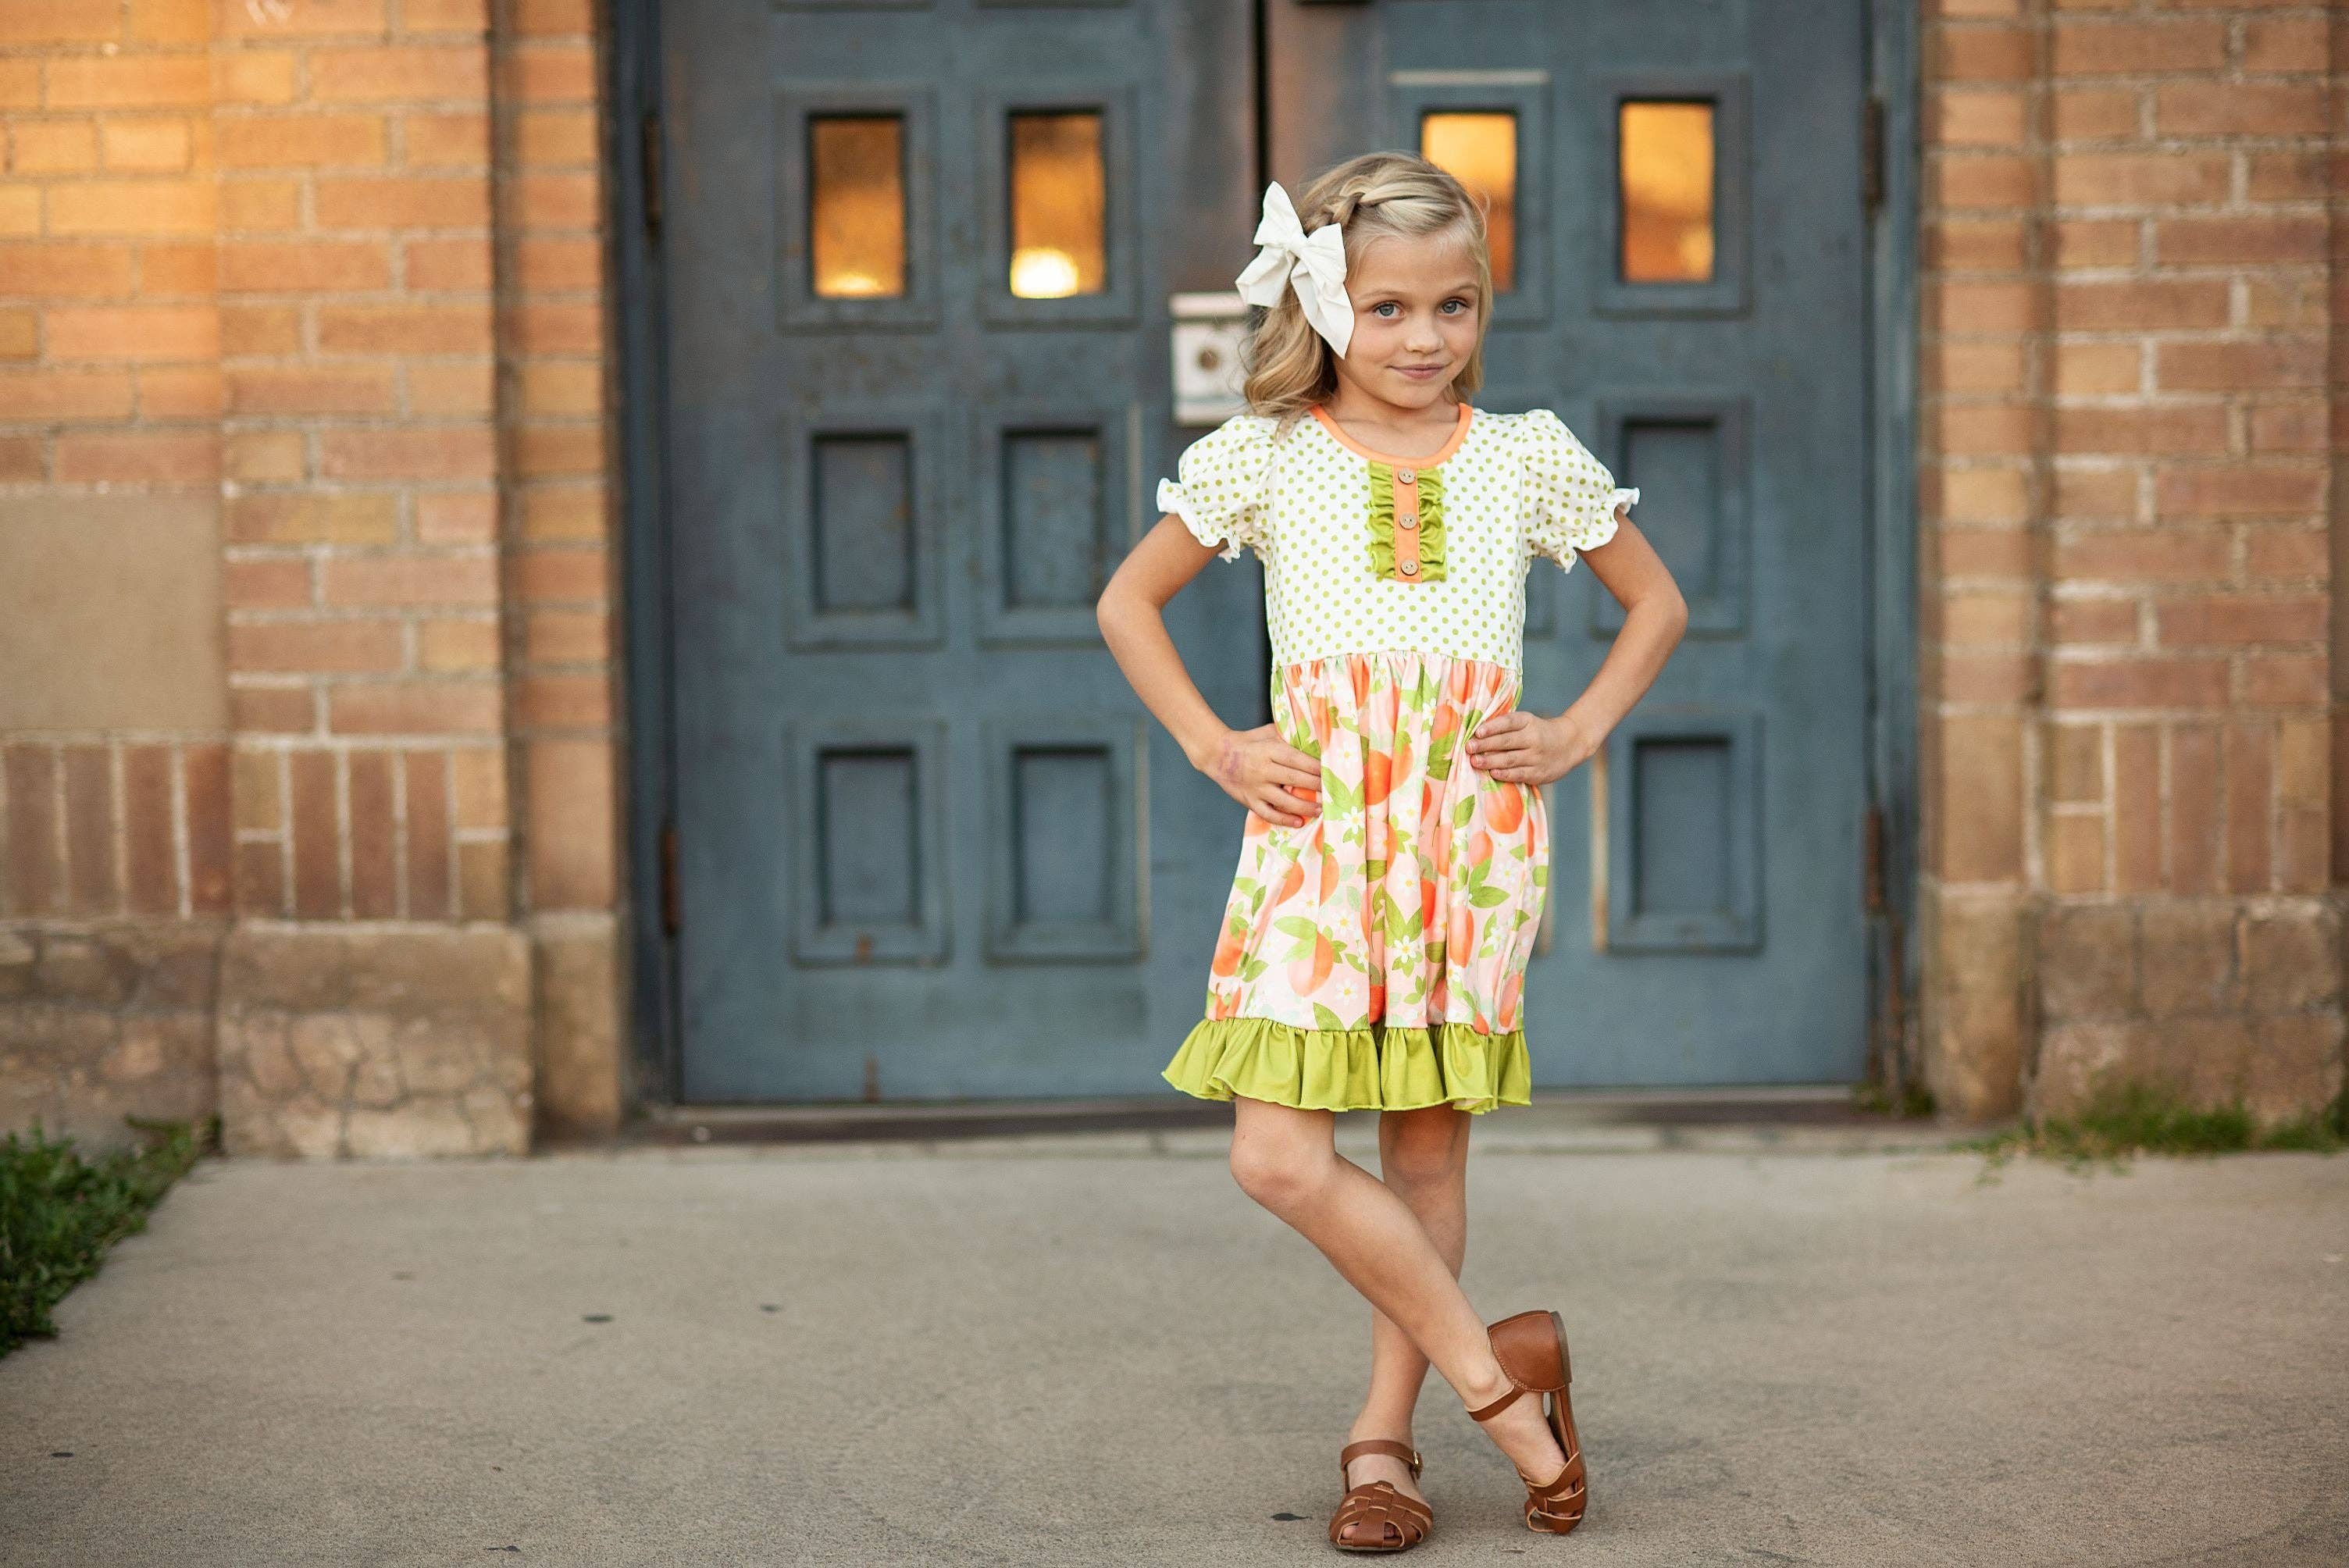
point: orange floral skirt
(1374, 958)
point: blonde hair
(1289, 366)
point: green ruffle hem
(1372, 1068)
(1382, 524)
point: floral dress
(1374, 958)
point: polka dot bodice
(1514, 486)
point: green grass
(2142, 1118)
(1916, 1101)
(59, 1213)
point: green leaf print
(1462, 811)
(1439, 758)
(1297, 925)
(1541, 876)
(1325, 1019)
(1486, 897)
(1252, 967)
(1336, 797)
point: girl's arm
(1525, 749)
(1256, 767)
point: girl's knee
(1423, 1148)
(1276, 1174)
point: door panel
(919, 256)
(1701, 330)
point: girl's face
(1414, 317)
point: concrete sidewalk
(1094, 1351)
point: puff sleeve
(1569, 497)
(1224, 493)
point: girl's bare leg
(1423, 1160)
(1284, 1159)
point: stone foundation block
(342, 1042)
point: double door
(920, 258)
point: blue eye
(1461, 302)
(1383, 307)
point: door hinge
(672, 898)
(1871, 155)
(1872, 861)
(648, 132)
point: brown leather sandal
(1531, 1349)
(1374, 1516)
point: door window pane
(1058, 199)
(856, 221)
(1667, 183)
(1480, 150)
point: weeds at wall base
(59, 1213)
(2146, 1119)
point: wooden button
(1407, 476)
(1408, 519)
(1408, 568)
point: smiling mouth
(1419, 369)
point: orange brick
(2141, 555)
(405, 329)
(2092, 621)
(172, 21)
(318, 863)
(133, 333)
(421, 73)
(445, 141)
(52, 146)
(2194, 809)
(1982, 53)
(567, 637)
(2240, 367)
(1951, 244)
(1982, 307)
(445, 648)
(316, 648)
(1982, 430)
(2138, 180)
(1980, 827)
(149, 145)
(150, 869)
(576, 387)
(2136, 682)
(2137, 807)
(180, 394)
(2237, 491)
(33, 22)
(2294, 44)
(260, 457)
(166, 269)
(1982, 179)
(428, 878)
(2283, 680)
(20, 82)
(268, 517)
(20, 208)
(457, 517)
(483, 873)
(565, 702)
(133, 207)
(146, 457)
(274, 584)
(550, 451)
(567, 136)
(260, 879)
(2303, 552)
(300, 141)
(2239, 109)
(2168, 429)
(477, 784)
(248, 330)
(449, 264)
(2099, 494)
(575, 837)
(261, 267)
(467, 387)
(2074, 851)
(2287, 176)
(2284, 301)
(2098, 368)
(1986, 616)
(2096, 114)
(416, 707)
(404, 203)
(2083, 245)
(2208, 242)
(20, 335)
(302, 19)
(129, 81)
(265, 205)
(2076, 762)
(89, 828)
(43, 396)
(375, 837)
(65, 271)
(2134, 49)
(557, 201)
(576, 18)
(563, 512)
(544, 73)
(256, 76)
(1984, 552)
(1978, 116)
(412, 580)
(2288, 427)
(21, 458)
(2237, 619)
(453, 452)
(541, 264)
(444, 16)
(553, 575)
(2250, 764)
(312, 389)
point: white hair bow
(1314, 264)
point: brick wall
(2129, 689)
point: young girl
(1373, 950)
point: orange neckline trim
(1459, 434)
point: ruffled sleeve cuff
(1571, 498)
(1224, 493)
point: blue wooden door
(918, 259)
(1677, 209)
